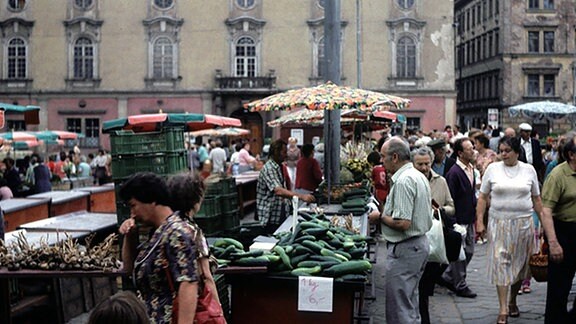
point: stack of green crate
(209, 217)
(229, 203)
(161, 152)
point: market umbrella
(18, 136)
(58, 135)
(228, 131)
(31, 113)
(155, 122)
(328, 96)
(543, 109)
(348, 116)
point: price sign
(315, 294)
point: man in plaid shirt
(271, 191)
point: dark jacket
(42, 179)
(13, 179)
(537, 161)
(464, 195)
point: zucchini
(300, 249)
(322, 258)
(217, 251)
(228, 251)
(315, 247)
(252, 261)
(305, 237)
(335, 244)
(283, 256)
(348, 267)
(306, 271)
(357, 253)
(288, 249)
(326, 252)
(225, 242)
(317, 232)
(312, 263)
(299, 258)
(255, 253)
(307, 225)
(272, 258)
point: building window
(549, 81)
(548, 42)
(533, 4)
(541, 85)
(548, 4)
(16, 59)
(16, 125)
(320, 3)
(406, 4)
(83, 4)
(245, 4)
(245, 57)
(533, 41)
(90, 127)
(413, 122)
(406, 57)
(163, 62)
(83, 59)
(321, 64)
(533, 85)
(16, 5)
(163, 4)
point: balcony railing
(257, 84)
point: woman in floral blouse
(187, 193)
(163, 267)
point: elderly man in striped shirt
(406, 218)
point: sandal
(513, 311)
(502, 319)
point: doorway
(253, 122)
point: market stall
(18, 211)
(246, 183)
(61, 284)
(102, 198)
(64, 202)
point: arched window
(83, 59)
(163, 62)
(406, 58)
(16, 59)
(406, 4)
(245, 4)
(83, 4)
(245, 57)
(163, 4)
(16, 5)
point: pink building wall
(431, 111)
(138, 106)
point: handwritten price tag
(315, 294)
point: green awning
(17, 108)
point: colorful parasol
(155, 122)
(18, 136)
(543, 109)
(328, 96)
(348, 116)
(57, 135)
(228, 131)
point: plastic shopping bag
(436, 240)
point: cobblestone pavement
(447, 308)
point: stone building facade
(513, 52)
(87, 61)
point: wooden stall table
(259, 298)
(64, 202)
(73, 292)
(18, 211)
(246, 183)
(102, 198)
(82, 221)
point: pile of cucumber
(316, 248)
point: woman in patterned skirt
(513, 191)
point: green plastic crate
(229, 202)
(126, 165)
(210, 225)
(230, 220)
(210, 207)
(128, 142)
(228, 186)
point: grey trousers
(405, 264)
(456, 271)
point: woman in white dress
(513, 190)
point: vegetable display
(316, 248)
